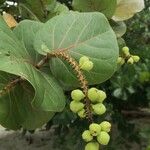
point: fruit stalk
(81, 78)
(10, 85)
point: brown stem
(10, 85)
(81, 78)
(41, 62)
(136, 113)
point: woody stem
(81, 78)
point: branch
(10, 85)
(75, 66)
(81, 78)
(136, 113)
(41, 62)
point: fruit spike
(125, 50)
(105, 126)
(135, 58)
(120, 60)
(83, 59)
(76, 106)
(92, 146)
(86, 136)
(103, 138)
(99, 109)
(93, 94)
(81, 78)
(95, 129)
(101, 96)
(77, 95)
(130, 60)
(85, 63)
(82, 113)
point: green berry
(136, 58)
(120, 61)
(76, 106)
(92, 146)
(77, 95)
(99, 109)
(82, 113)
(95, 129)
(130, 60)
(105, 126)
(101, 96)
(103, 138)
(125, 50)
(92, 94)
(83, 59)
(87, 65)
(86, 136)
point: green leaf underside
(15, 107)
(82, 34)
(57, 9)
(119, 28)
(25, 32)
(35, 8)
(15, 59)
(106, 7)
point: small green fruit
(92, 94)
(92, 146)
(77, 95)
(136, 58)
(103, 138)
(125, 50)
(76, 106)
(120, 61)
(87, 65)
(105, 126)
(82, 113)
(86, 136)
(101, 96)
(95, 129)
(83, 59)
(130, 60)
(99, 109)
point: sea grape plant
(71, 51)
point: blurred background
(128, 100)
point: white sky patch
(11, 3)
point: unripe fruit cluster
(77, 106)
(98, 132)
(85, 63)
(127, 57)
(97, 97)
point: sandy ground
(42, 140)
(10, 140)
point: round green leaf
(106, 7)
(16, 110)
(81, 34)
(46, 95)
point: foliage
(39, 65)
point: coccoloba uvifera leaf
(48, 96)
(80, 34)
(107, 7)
